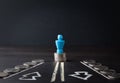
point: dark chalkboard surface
(36, 22)
(12, 56)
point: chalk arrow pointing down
(78, 73)
(30, 76)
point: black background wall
(36, 22)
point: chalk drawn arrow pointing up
(30, 76)
(79, 76)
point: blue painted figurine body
(60, 44)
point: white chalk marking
(95, 70)
(23, 71)
(77, 75)
(24, 77)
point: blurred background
(36, 22)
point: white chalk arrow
(30, 76)
(78, 73)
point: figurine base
(59, 57)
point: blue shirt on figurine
(59, 44)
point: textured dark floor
(11, 56)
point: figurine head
(59, 37)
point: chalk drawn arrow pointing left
(30, 76)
